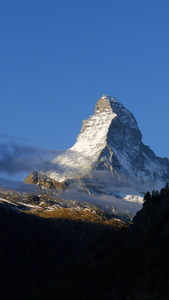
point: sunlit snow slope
(80, 159)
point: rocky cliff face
(42, 180)
(125, 155)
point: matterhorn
(109, 157)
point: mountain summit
(111, 129)
(109, 155)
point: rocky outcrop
(41, 179)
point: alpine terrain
(109, 161)
(72, 234)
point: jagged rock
(40, 179)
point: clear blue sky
(57, 57)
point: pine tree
(167, 186)
(147, 196)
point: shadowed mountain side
(35, 252)
(59, 258)
(133, 265)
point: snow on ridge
(109, 98)
(79, 159)
(134, 198)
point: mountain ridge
(109, 156)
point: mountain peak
(103, 105)
(109, 98)
(107, 104)
(109, 153)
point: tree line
(157, 194)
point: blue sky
(57, 58)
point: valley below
(82, 253)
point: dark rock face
(130, 156)
(126, 155)
(131, 265)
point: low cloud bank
(109, 203)
(16, 185)
(16, 158)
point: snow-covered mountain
(109, 157)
